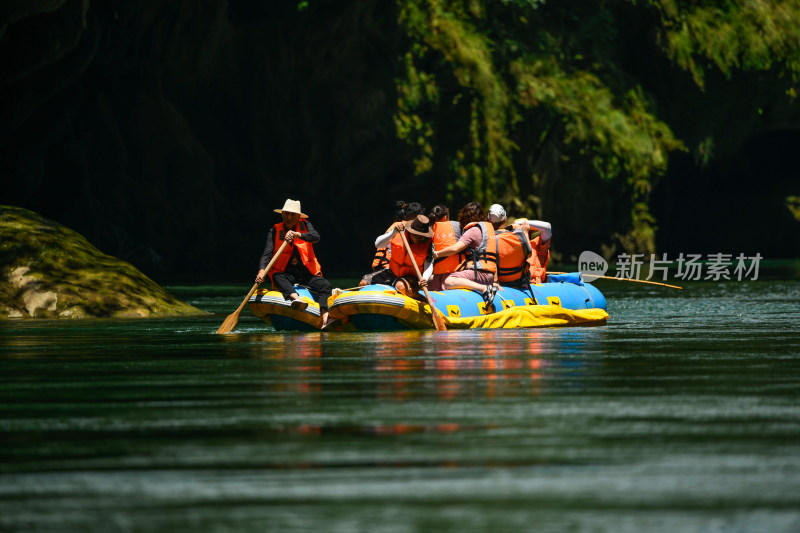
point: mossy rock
(50, 271)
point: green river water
(682, 414)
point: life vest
(484, 257)
(445, 234)
(381, 258)
(400, 263)
(538, 259)
(512, 265)
(306, 250)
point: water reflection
(685, 402)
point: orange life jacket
(400, 263)
(538, 259)
(484, 257)
(445, 234)
(382, 256)
(512, 265)
(306, 250)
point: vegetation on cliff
(506, 98)
(50, 271)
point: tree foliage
(752, 35)
(493, 96)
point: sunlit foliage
(487, 88)
(730, 35)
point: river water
(682, 414)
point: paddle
(438, 322)
(626, 279)
(233, 318)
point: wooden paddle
(233, 318)
(438, 322)
(626, 279)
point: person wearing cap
(497, 216)
(401, 273)
(514, 249)
(539, 234)
(297, 263)
(537, 250)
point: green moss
(51, 271)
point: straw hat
(292, 206)
(420, 226)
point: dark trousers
(319, 286)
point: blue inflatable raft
(564, 301)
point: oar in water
(233, 318)
(438, 322)
(626, 279)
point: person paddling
(380, 262)
(297, 264)
(401, 273)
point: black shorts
(387, 277)
(384, 276)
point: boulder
(51, 271)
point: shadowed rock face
(167, 131)
(50, 271)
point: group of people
(478, 251)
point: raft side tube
(462, 307)
(271, 307)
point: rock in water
(51, 271)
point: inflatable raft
(564, 301)
(271, 307)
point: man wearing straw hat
(297, 264)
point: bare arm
(450, 250)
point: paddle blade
(438, 321)
(229, 323)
